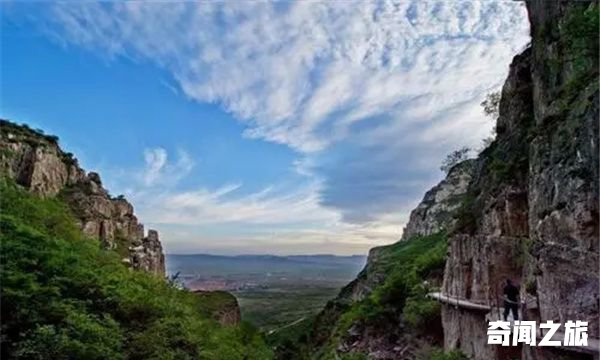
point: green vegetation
(466, 214)
(451, 355)
(121, 244)
(354, 356)
(413, 268)
(580, 50)
(578, 41)
(68, 158)
(418, 311)
(291, 342)
(215, 303)
(34, 137)
(454, 158)
(504, 161)
(491, 105)
(581, 37)
(531, 286)
(273, 308)
(417, 266)
(64, 298)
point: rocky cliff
(526, 209)
(390, 338)
(436, 211)
(492, 226)
(35, 161)
(532, 210)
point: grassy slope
(407, 265)
(64, 298)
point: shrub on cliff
(451, 355)
(410, 264)
(65, 298)
(454, 158)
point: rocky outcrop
(35, 161)
(436, 211)
(391, 339)
(492, 226)
(532, 207)
(220, 305)
(527, 209)
(563, 181)
(385, 341)
(147, 254)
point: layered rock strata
(35, 161)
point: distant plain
(273, 291)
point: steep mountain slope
(63, 297)
(35, 161)
(487, 245)
(67, 288)
(383, 311)
(534, 210)
(435, 212)
(528, 213)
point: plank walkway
(593, 346)
(461, 303)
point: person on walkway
(511, 300)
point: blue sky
(259, 127)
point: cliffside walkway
(461, 303)
(593, 346)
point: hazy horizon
(262, 254)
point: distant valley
(273, 291)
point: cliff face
(527, 209)
(563, 197)
(390, 338)
(492, 226)
(36, 162)
(436, 211)
(532, 209)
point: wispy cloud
(155, 189)
(159, 172)
(156, 160)
(275, 219)
(221, 205)
(288, 69)
(370, 94)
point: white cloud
(155, 162)
(221, 205)
(159, 172)
(159, 198)
(371, 94)
(275, 219)
(289, 69)
(337, 237)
